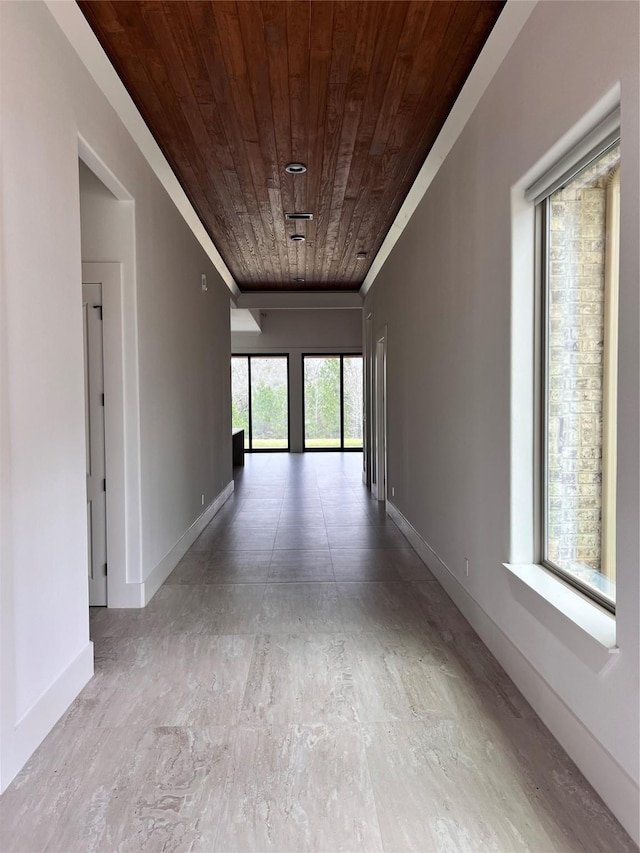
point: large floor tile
(266, 517)
(36, 800)
(290, 608)
(376, 606)
(302, 503)
(364, 536)
(299, 789)
(222, 609)
(396, 676)
(409, 565)
(237, 567)
(165, 614)
(459, 784)
(440, 611)
(190, 570)
(301, 537)
(142, 682)
(443, 785)
(264, 491)
(287, 566)
(258, 506)
(240, 538)
(350, 505)
(300, 516)
(573, 811)
(352, 515)
(473, 666)
(212, 532)
(364, 564)
(300, 678)
(130, 789)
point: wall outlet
(202, 500)
(203, 283)
(466, 566)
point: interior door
(94, 423)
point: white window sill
(587, 615)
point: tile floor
(300, 683)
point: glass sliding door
(322, 427)
(240, 396)
(352, 386)
(269, 403)
(332, 402)
(260, 400)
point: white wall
(181, 362)
(298, 331)
(445, 296)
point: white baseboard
(125, 595)
(171, 559)
(619, 791)
(33, 727)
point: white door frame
(367, 432)
(95, 449)
(119, 525)
(379, 488)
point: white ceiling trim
(503, 35)
(73, 24)
(299, 299)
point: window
(260, 400)
(578, 221)
(333, 402)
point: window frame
(249, 356)
(562, 173)
(341, 448)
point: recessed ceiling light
(361, 256)
(298, 238)
(295, 168)
(295, 217)
(298, 280)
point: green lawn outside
(332, 442)
(282, 444)
(270, 443)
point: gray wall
(446, 295)
(297, 331)
(176, 371)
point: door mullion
(250, 404)
(341, 402)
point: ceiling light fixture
(361, 256)
(296, 217)
(295, 168)
(298, 238)
(298, 280)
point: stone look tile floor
(300, 683)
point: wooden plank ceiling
(234, 91)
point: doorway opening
(111, 385)
(379, 484)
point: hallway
(300, 683)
